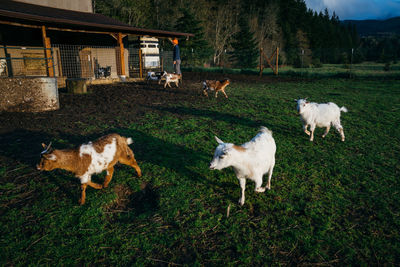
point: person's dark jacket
(177, 53)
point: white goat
(3, 66)
(171, 78)
(320, 115)
(251, 160)
(154, 76)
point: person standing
(176, 56)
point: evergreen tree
(196, 50)
(305, 58)
(245, 50)
(325, 35)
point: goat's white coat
(171, 77)
(249, 161)
(151, 75)
(100, 161)
(320, 115)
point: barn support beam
(140, 64)
(47, 53)
(121, 54)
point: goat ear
(51, 157)
(219, 141)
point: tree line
(231, 32)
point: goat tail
(265, 130)
(343, 109)
(129, 140)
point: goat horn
(47, 149)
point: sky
(358, 9)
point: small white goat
(154, 76)
(3, 66)
(171, 77)
(320, 115)
(251, 160)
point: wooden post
(47, 53)
(277, 61)
(9, 62)
(269, 60)
(261, 65)
(121, 54)
(60, 72)
(140, 64)
(162, 63)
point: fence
(24, 61)
(166, 61)
(91, 62)
(103, 62)
(79, 61)
(327, 62)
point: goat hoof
(260, 189)
(81, 202)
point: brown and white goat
(217, 86)
(89, 159)
(171, 78)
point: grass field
(363, 70)
(330, 203)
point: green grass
(364, 70)
(331, 203)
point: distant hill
(376, 27)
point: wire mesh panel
(79, 61)
(92, 62)
(134, 62)
(24, 61)
(167, 62)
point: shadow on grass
(154, 86)
(24, 146)
(285, 129)
(166, 154)
(232, 119)
(129, 204)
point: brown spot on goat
(239, 148)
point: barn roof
(18, 13)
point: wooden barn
(39, 40)
(65, 40)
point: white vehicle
(150, 52)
